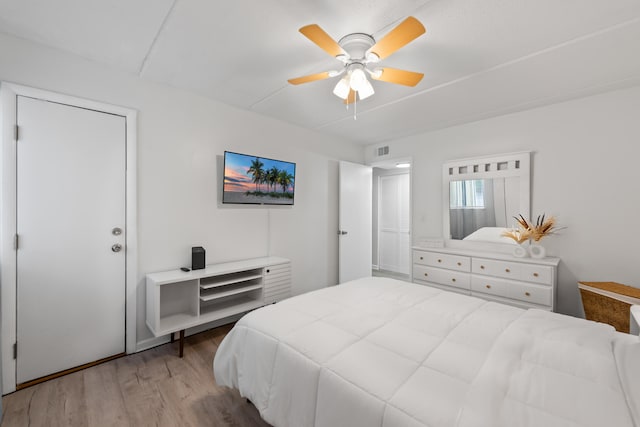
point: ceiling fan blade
(317, 35)
(351, 98)
(401, 77)
(406, 31)
(309, 78)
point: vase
(519, 251)
(537, 250)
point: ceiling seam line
(488, 70)
(266, 97)
(528, 105)
(143, 66)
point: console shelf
(178, 300)
(229, 292)
(238, 278)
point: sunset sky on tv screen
(237, 177)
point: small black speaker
(197, 258)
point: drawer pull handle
(425, 274)
(439, 260)
(535, 274)
(453, 280)
(507, 270)
(482, 267)
(459, 263)
(488, 286)
(421, 258)
(527, 294)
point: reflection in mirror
(478, 204)
(482, 195)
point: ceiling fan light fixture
(366, 90)
(334, 73)
(342, 88)
(372, 57)
(377, 73)
(358, 79)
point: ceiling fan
(357, 52)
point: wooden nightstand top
(614, 287)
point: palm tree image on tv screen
(257, 180)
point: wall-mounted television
(257, 180)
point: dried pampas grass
(518, 235)
(528, 230)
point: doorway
(66, 201)
(392, 220)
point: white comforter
(380, 352)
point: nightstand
(609, 302)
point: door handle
(341, 232)
(116, 248)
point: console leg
(181, 343)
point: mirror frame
(498, 166)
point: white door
(355, 221)
(70, 199)
(394, 223)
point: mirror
(481, 197)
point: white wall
(181, 137)
(584, 170)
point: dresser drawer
(534, 294)
(537, 274)
(489, 267)
(441, 276)
(513, 270)
(489, 285)
(435, 259)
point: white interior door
(394, 223)
(355, 221)
(70, 197)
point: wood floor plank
(103, 399)
(150, 388)
(73, 411)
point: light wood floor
(150, 388)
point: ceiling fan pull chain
(355, 106)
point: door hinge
(15, 350)
(15, 242)
(16, 132)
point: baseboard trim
(152, 342)
(156, 341)
(67, 371)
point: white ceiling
(480, 58)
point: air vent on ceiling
(382, 151)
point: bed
(381, 352)
(490, 234)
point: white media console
(178, 300)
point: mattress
(381, 352)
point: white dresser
(521, 282)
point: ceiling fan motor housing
(356, 45)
